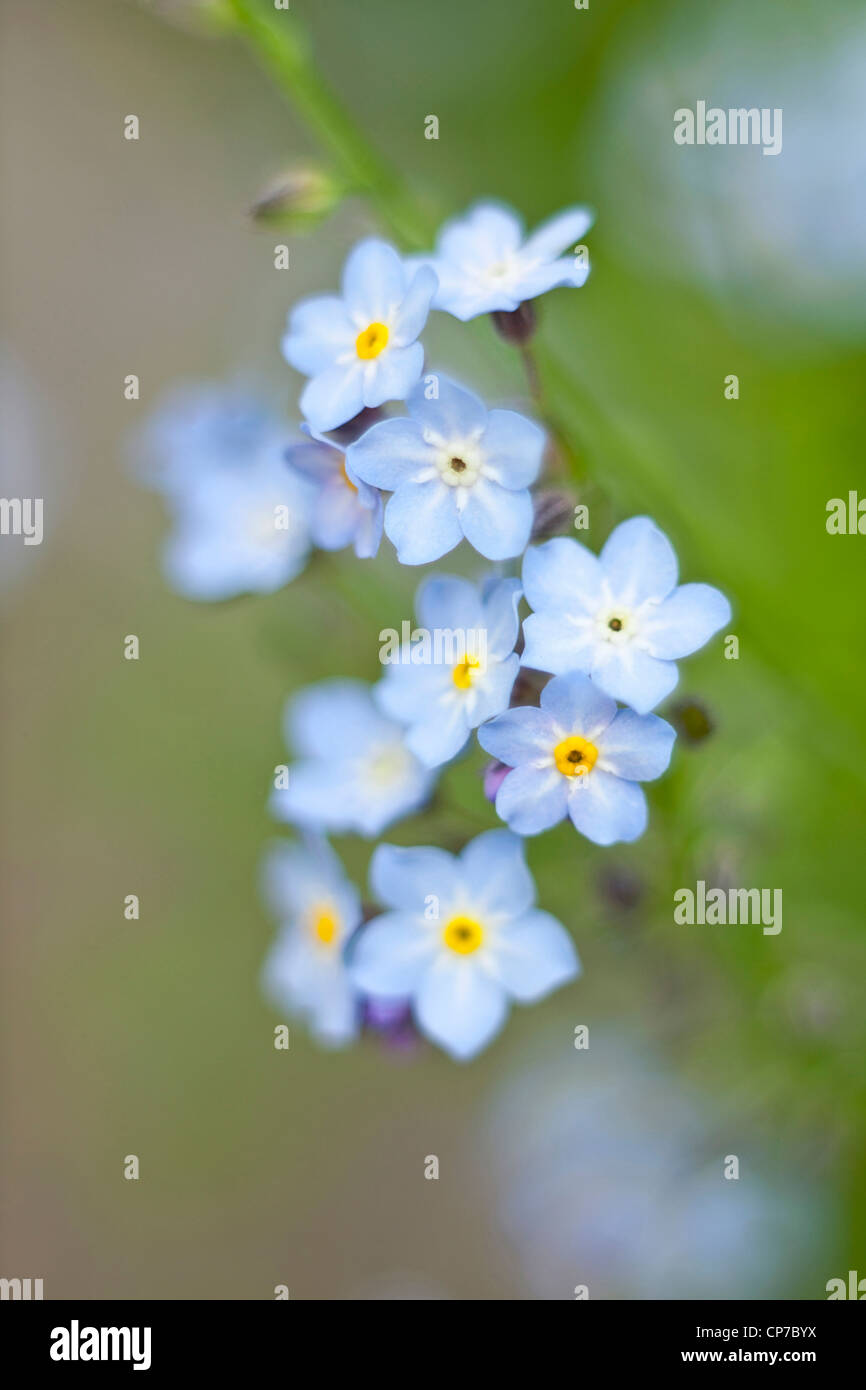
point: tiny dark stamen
(575, 756)
(615, 624)
(458, 466)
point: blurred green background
(306, 1168)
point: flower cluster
(455, 938)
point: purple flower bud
(516, 326)
(494, 775)
(553, 514)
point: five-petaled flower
(471, 668)
(360, 350)
(619, 617)
(578, 756)
(484, 262)
(240, 519)
(343, 510)
(356, 772)
(461, 939)
(238, 530)
(317, 909)
(455, 469)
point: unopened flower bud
(692, 720)
(494, 775)
(553, 513)
(516, 326)
(299, 198)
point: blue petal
(685, 620)
(551, 643)
(391, 954)
(534, 956)
(436, 740)
(501, 599)
(495, 521)
(639, 561)
(513, 448)
(558, 234)
(319, 331)
(454, 414)
(630, 674)
(412, 314)
(459, 1007)
(487, 233)
(605, 808)
(406, 878)
(562, 575)
(393, 375)
(389, 454)
(334, 396)
(407, 693)
(316, 797)
(521, 735)
(421, 520)
(493, 693)
(637, 747)
(577, 705)
(445, 601)
(333, 708)
(493, 868)
(374, 282)
(532, 799)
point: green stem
(282, 46)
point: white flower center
(459, 464)
(387, 765)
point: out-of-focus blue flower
(343, 509)
(240, 517)
(470, 668)
(462, 939)
(620, 617)
(360, 350)
(455, 469)
(317, 909)
(609, 1172)
(199, 428)
(484, 261)
(238, 530)
(355, 772)
(577, 756)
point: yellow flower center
(575, 756)
(346, 479)
(463, 935)
(324, 926)
(371, 341)
(462, 675)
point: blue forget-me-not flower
(343, 510)
(317, 909)
(484, 262)
(466, 669)
(455, 469)
(360, 350)
(619, 616)
(355, 771)
(578, 756)
(462, 939)
(238, 530)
